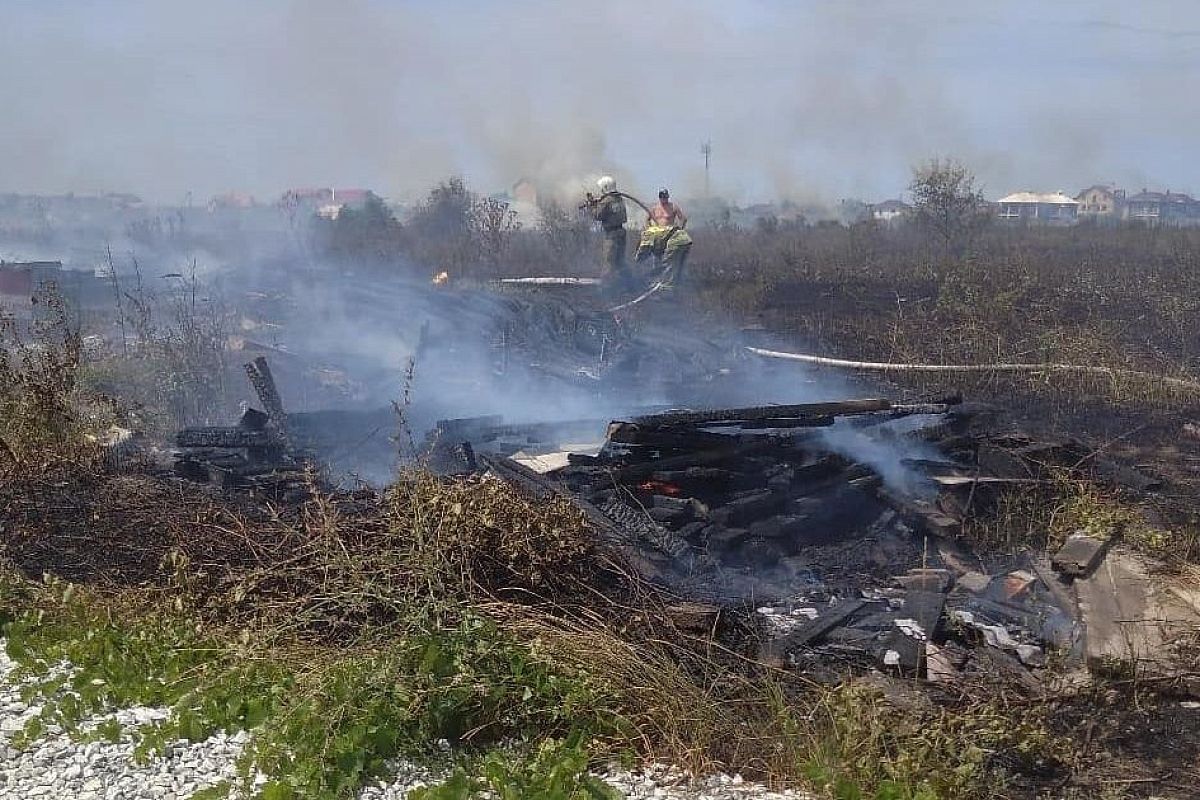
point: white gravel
(56, 767)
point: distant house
(122, 200)
(890, 212)
(1048, 207)
(766, 214)
(231, 200)
(327, 203)
(1164, 208)
(524, 191)
(20, 282)
(1101, 201)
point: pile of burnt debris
(835, 525)
(280, 455)
(796, 512)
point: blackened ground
(1134, 746)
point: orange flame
(660, 487)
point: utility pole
(706, 151)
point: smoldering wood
(615, 523)
(634, 472)
(922, 517)
(813, 630)
(681, 439)
(229, 437)
(925, 608)
(537, 486)
(758, 413)
(259, 373)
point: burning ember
(660, 487)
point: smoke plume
(801, 100)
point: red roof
(351, 195)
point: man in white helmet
(609, 210)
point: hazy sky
(811, 99)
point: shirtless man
(666, 214)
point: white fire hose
(883, 366)
(654, 287)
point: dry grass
(344, 576)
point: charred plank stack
(256, 454)
(745, 489)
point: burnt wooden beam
(259, 373)
(538, 486)
(922, 517)
(925, 609)
(218, 436)
(634, 472)
(753, 506)
(822, 421)
(760, 413)
(622, 541)
(812, 630)
(630, 433)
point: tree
(369, 236)
(948, 202)
(458, 231)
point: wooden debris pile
(759, 508)
(255, 454)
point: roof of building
(891, 205)
(1050, 198)
(1161, 197)
(1107, 188)
(351, 195)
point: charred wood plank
(908, 641)
(259, 373)
(634, 472)
(819, 421)
(1001, 663)
(645, 528)
(625, 541)
(813, 630)
(219, 436)
(752, 507)
(538, 486)
(685, 439)
(758, 413)
(922, 517)
(823, 476)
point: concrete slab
(1130, 614)
(1080, 555)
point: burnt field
(529, 517)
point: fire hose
(884, 366)
(658, 284)
(591, 200)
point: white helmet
(607, 184)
